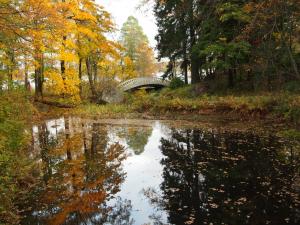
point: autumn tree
(10, 27)
(97, 56)
(273, 33)
(60, 42)
(137, 48)
(40, 35)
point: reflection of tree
(228, 178)
(67, 132)
(137, 138)
(118, 214)
(86, 173)
(46, 143)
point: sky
(122, 9)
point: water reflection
(213, 177)
(95, 172)
(136, 137)
(81, 172)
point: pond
(154, 172)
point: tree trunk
(230, 78)
(67, 132)
(194, 59)
(9, 77)
(95, 71)
(63, 67)
(84, 140)
(38, 83)
(174, 68)
(10, 68)
(195, 70)
(90, 77)
(293, 62)
(250, 80)
(43, 138)
(26, 81)
(38, 78)
(185, 62)
(95, 138)
(1, 84)
(80, 76)
(62, 62)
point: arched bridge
(142, 82)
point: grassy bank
(183, 102)
(277, 105)
(15, 113)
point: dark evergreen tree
(237, 39)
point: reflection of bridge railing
(142, 82)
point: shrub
(176, 83)
(14, 111)
(142, 101)
(293, 87)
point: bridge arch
(143, 82)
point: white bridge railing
(142, 82)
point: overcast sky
(122, 9)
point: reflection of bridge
(143, 82)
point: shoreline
(100, 113)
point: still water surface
(149, 172)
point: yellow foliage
(54, 81)
(109, 68)
(69, 43)
(72, 83)
(58, 86)
(84, 31)
(128, 70)
(68, 57)
(55, 35)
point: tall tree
(61, 41)
(137, 48)
(238, 39)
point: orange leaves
(52, 36)
(84, 182)
(248, 8)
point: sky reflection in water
(150, 173)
